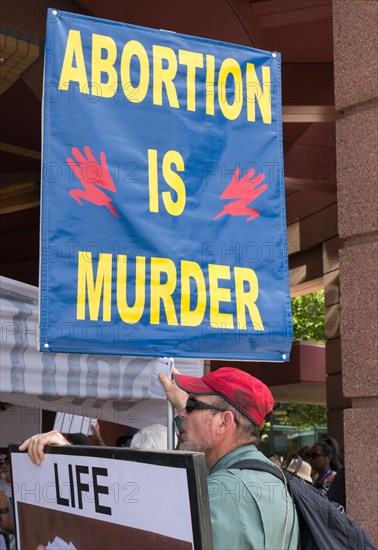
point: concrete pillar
(355, 67)
(336, 402)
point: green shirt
(247, 507)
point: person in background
(324, 460)
(77, 439)
(304, 452)
(7, 538)
(82, 439)
(302, 470)
(275, 459)
(96, 434)
(154, 436)
(4, 536)
(336, 492)
(125, 440)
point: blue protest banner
(163, 215)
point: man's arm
(96, 433)
(36, 444)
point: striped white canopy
(113, 388)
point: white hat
(151, 437)
(304, 470)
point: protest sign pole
(171, 427)
(170, 419)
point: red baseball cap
(247, 394)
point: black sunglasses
(315, 455)
(195, 405)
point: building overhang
(301, 380)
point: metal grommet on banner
(284, 356)
(274, 54)
(53, 15)
(46, 346)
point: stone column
(336, 401)
(355, 65)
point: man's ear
(226, 422)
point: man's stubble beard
(203, 439)
(203, 446)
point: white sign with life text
(148, 499)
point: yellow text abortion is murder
(225, 82)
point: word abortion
(171, 73)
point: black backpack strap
(288, 461)
(258, 465)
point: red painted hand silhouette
(245, 189)
(92, 175)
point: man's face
(198, 426)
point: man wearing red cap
(222, 413)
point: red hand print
(92, 175)
(245, 189)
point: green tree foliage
(304, 416)
(308, 324)
(308, 317)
